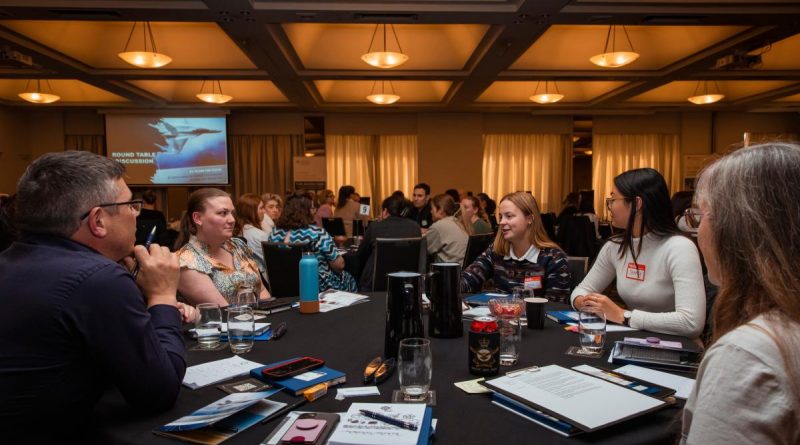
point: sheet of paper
(309, 376)
(355, 428)
(472, 386)
(682, 385)
(357, 391)
(661, 343)
(576, 397)
(329, 301)
(477, 311)
(611, 327)
(217, 411)
(209, 373)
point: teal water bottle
(309, 283)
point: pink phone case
(305, 431)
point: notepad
(210, 373)
(682, 385)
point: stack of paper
(358, 429)
(210, 373)
(329, 301)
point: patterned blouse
(323, 246)
(195, 256)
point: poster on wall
(309, 172)
(692, 166)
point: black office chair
(549, 223)
(476, 245)
(282, 262)
(577, 237)
(578, 267)
(394, 255)
(334, 226)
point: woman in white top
(249, 211)
(448, 235)
(748, 385)
(658, 271)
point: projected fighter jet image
(176, 136)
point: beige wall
(729, 127)
(15, 152)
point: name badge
(534, 282)
(635, 271)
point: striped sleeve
(482, 269)
(557, 276)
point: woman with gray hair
(748, 385)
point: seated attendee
(471, 208)
(249, 214)
(148, 218)
(489, 208)
(453, 194)
(521, 255)
(272, 206)
(747, 388)
(213, 263)
(421, 209)
(586, 208)
(296, 225)
(349, 209)
(658, 271)
(326, 201)
(447, 237)
(73, 321)
(681, 202)
(391, 225)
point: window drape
(396, 165)
(541, 163)
(93, 143)
(263, 163)
(616, 153)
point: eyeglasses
(610, 201)
(693, 217)
(135, 205)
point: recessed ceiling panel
(185, 91)
(793, 98)
(340, 46)
(782, 55)
(70, 91)
(519, 92)
(571, 46)
(349, 91)
(191, 45)
(679, 91)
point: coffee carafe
(403, 310)
(444, 291)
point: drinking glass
(208, 325)
(241, 328)
(522, 293)
(592, 328)
(507, 310)
(246, 296)
(415, 365)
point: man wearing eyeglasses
(73, 321)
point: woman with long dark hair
(348, 209)
(748, 385)
(658, 271)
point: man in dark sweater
(391, 225)
(421, 208)
(72, 320)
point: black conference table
(348, 338)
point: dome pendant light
(213, 97)
(36, 95)
(384, 59)
(614, 58)
(547, 96)
(144, 58)
(706, 96)
(382, 98)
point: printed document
(210, 373)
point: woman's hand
(188, 313)
(601, 303)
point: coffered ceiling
(470, 55)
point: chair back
(577, 237)
(578, 267)
(358, 227)
(549, 223)
(334, 226)
(282, 262)
(394, 255)
(476, 245)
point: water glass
(208, 325)
(241, 328)
(415, 366)
(592, 329)
(521, 294)
(507, 311)
(246, 296)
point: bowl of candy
(506, 307)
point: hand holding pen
(150, 238)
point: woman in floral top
(296, 225)
(213, 264)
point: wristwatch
(626, 318)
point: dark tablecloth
(348, 338)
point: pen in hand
(390, 420)
(150, 238)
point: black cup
(534, 308)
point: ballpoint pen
(150, 238)
(390, 420)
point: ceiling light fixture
(383, 98)
(37, 95)
(706, 96)
(384, 59)
(144, 58)
(213, 97)
(614, 58)
(546, 96)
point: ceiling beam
(768, 96)
(181, 74)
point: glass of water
(507, 311)
(246, 296)
(592, 328)
(241, 328)
(208, 325)
(415, 365)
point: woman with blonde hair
(474, 215)
(748, 384)
(448, 235)
(325, 205)
(522, 254)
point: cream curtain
(541, 163)
(263, 164)
(616, 153)
(396, 165)
(350, 160)
(93, 143)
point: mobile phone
(292, 368)
(305, 431)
